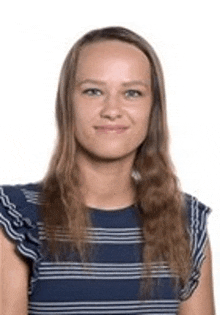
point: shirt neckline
(112, 209)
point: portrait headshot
(110, 158)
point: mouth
(111, 128)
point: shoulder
(19, 218)
(193, 202)
(197, 215)
(19, 211)
(20, 193)
(196, 211)
(20, 197)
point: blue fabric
(111, 284)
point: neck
(106, 185)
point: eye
(92, 92)
(133, 93)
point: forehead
(112, 56)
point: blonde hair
(158, 195)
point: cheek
(83, 115)
(141, 118)
(83, 125)
(141, 130)
(142, 126)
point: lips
(111, 128)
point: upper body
(112, 153)
(34, 283)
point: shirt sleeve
(19, 221)
(197, 219)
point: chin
(108, 153)
(110, 156)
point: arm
(202, 301)
(14, 274)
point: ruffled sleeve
(197, 219)
(19, 220)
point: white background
(35, 38)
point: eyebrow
(137, 82)
(129, 83)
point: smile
(110, 129)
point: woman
(108, 231)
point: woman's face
(112, 100)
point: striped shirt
(109, 283)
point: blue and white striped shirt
(111, 283)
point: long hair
(158, 195)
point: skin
(105, 159)
(113, 87)
(202, 300)
(14, 279)
(14, 294)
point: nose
(111, 108)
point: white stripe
(50, 271)
(10, 230)
(100, 236)
(139, 310)
(155, 265)
(27, 252)
(5, 200)
(32, 196)
(154, 312)
(134, 231)
(161, 307)
(101, 242)
(106, 302)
